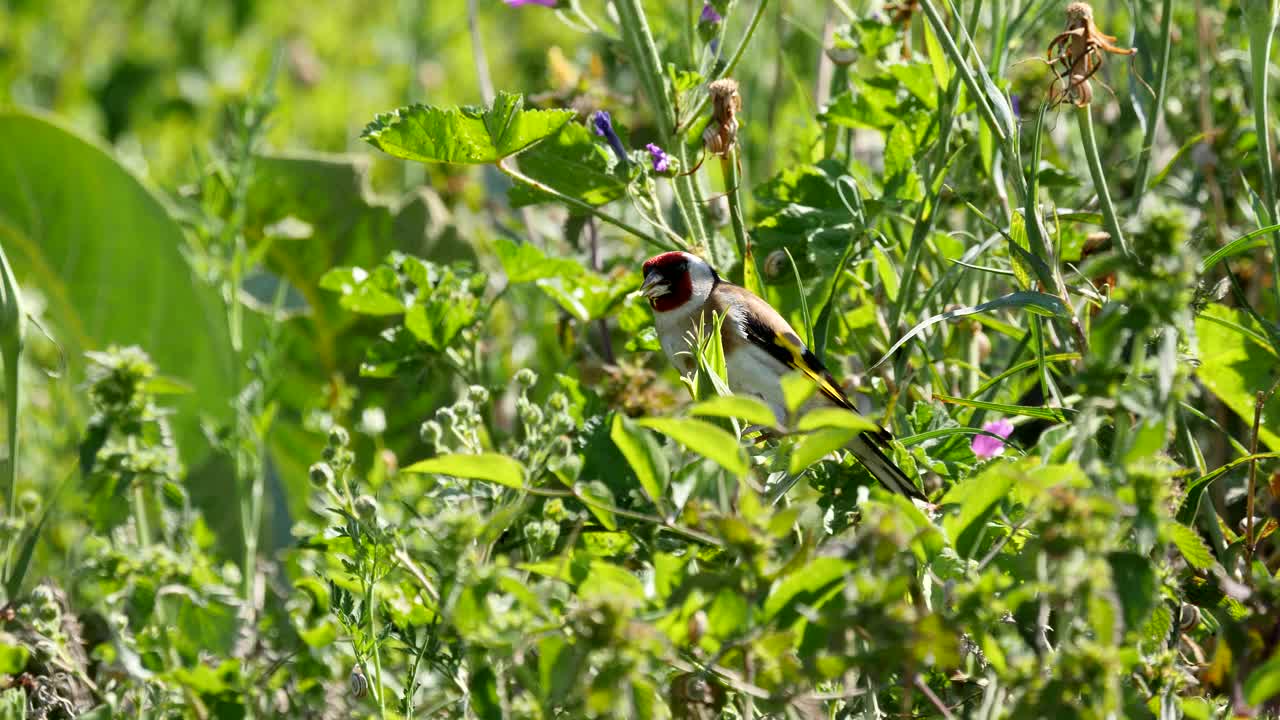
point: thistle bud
(321, 474)
(366, 507)
(338, 436)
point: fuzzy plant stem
(1157, 105)
(1261, 30)
(732, 183)
(730, 66)
(644, 51)
(373, 633)
(1084, 115)
(520, 177)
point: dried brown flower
(1077, 53)
(722, 132)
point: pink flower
(985, 446)
(522, 3)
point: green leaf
(1236, 362)
(13, 659)
(644, 455)
(834, 417)
(816, 445)
(1241, 245)
(82, 248)
(1018, 236)
(1034, 302)
(976, 497)
(482, 694)
(1135, 582)
(742, 407)
(490, 467)
(1263, 683)
(1191, 501)
(572, 162)
(606, 580)
(598, 498)
(524, 262)
(703, 438)
(809, 585)
(1021, 410)
(1191, 545)
(463, 135)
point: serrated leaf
(524, 262)
(1191, 545)
(572, 162)
(703, 438)
(644, 455)
(463, 134)
(741, 407)
(490, 467)
(1135, 583)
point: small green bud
(558, 402)
(321, 474)
(526, 377)
(431, 433)
(29, 502)
(366, 507)
(477, 395)
(339, 437)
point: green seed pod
(366, 507)
(29, 502)
(526, 377)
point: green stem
(1084, 115)
(966, 74)
(643, 49)
(1260, 36)
(732, 65)
(373, 634)
(585, 207)
(1157, 106)
(732, 183)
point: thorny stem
(1085, 117)
(1157, 105)
(585, 207)
(1260, 34)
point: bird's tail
(869, 450)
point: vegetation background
(317, 410)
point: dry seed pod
(1078, 50)
(722, 132)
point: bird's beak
(653, 286)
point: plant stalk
(1084, 115)
(585, 207)
(1260, 36)
(1157, 106)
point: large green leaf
(703, 438)
(463, 135)
(104, 252)
(492, 467)
(644, 455)
(1236, 362)
(572, 162)
(976, 498)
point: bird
(760, 347)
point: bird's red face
(667, 282)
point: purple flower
(985, 446)
(522, 3)
(603, 125)
(709, 15)
(661, 160)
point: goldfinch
(759, 347)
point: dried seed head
(1078, 12)
(722, 132)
